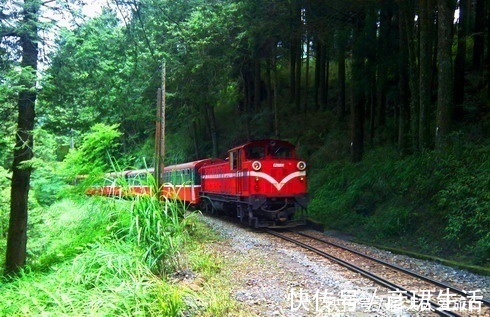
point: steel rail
(394, 266)
(367, 274)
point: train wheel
(239, 213)
(207, 207)
(252, 220)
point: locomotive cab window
(278, 151)
(255, 153)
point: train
(262, 183)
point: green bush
(465, 201)
(62, 231)
(4, 209)
(438, 196)
(95, 153)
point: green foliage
(159, 228)
(466, 201)
(98, 256)
(4, 205)
(108, 279)
(100, 73)
(47, 181)
(95, 152)
(63, 230)
(439, 197)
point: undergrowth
(436, 202)
(113, 257)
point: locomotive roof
(263, 143)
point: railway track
(420, 291)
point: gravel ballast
(273, 278)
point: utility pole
(160, 132)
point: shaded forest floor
(435, 203)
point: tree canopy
(254, 61)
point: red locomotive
(261, 182)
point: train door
(235, 166)
(239, 174)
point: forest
(386, 100)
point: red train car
(262, 181)
(181, 181)
(123, 184)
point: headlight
(301, 165)
(256, 165)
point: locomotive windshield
(278, 151)
(272, 149)
(256, 152)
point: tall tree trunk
(307, 75)
(445, 10)
(407, 14)
(357, 128)
(196, 140)
(270, 92)
(292, 73)
(256, 98)
(274, 89)
(370, 30)
(318, 62)
(325, 81)
(341, 74)
(213, 128)
(460, 60)
(425, 11)
(358, 97)
(486, 66)
(323, 78)
(17, 233)
(403, 88)
(478, 37)
(386, 43)
(248, 90)
(297, 84)
(295, 37)
(341, 81)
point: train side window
(195, 179)
(233, 160)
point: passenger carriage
(183, 181)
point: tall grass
(159, 229)
(109, 279)
(101, 256)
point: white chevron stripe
(274, 182)
(267, 177)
